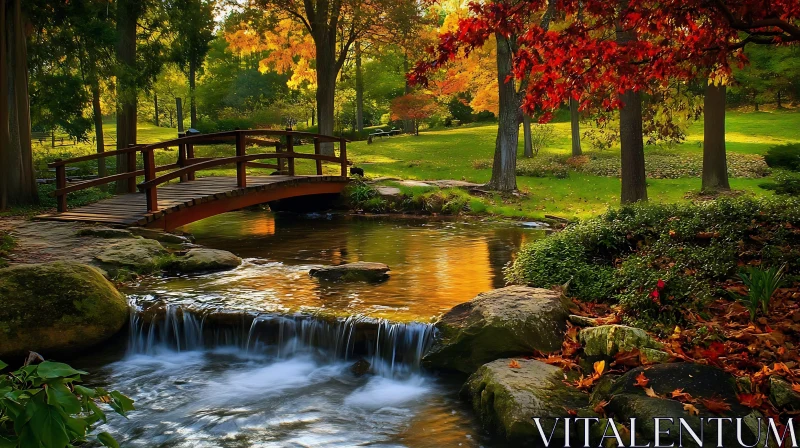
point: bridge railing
(187, 164)
(130, 174)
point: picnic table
(383, 133)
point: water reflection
(435, 264)
(198, 382)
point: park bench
(40, 136)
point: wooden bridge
(179, 196)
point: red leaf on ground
(715, 405)
(641, 380)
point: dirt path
(42, 241)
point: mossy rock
(700, 381)
(58, 307)
(105, 232)
(782, 395)
(608, 340)
(506, 400)
(158, 235)
(137, 255)
(502, 323)
(205, 260)
(352, 272)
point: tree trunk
(634, 180)
(97, 114)
(575, 125)
(155, 108)
(526, 131)
(17, 174)
(780, 103)
(127, 15)
(715, 164)
(504, 176)
(359, 90)
(408, 89)
(192, 103)
(326, 91)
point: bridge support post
(132, 168)
(151, 194)
(241, 167)
(290, 151)
(190, 156)
(318, 151)
(61, 183)
(343, 156)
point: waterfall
(390, 347)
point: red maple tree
(413, 107)
(605, 54)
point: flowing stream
(265, 356)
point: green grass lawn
(455, 154)
(449, 154)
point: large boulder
(502, 323)
(627, 400)
(204, 260)
(137, 255)
(57, 308)
(608, 340)
(506, 400)
(360, 271)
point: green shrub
(621, 256)
(7, 243)
(42, 406)
(786, 183)
(784, 156)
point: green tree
(193, 24)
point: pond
(262, 356)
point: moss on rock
(57, 307)
(506, 399)
(203, 260)
(105, 232)
(608, 340)
(502, 323)
(138, 255)
(782, 395)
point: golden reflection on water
(435, 265)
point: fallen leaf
(716, 405)
(514, 364)
(641, 380)
(680, 395)
(600, 408)
(650, 392)
(691, 409)
(628, 359)
(599, 367)
(751, 400)
(796, 387)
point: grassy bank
(465, 154)
(550, 184)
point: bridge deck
(217, 194)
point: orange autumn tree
(414, 107)
(287, 47)
(333, 27)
